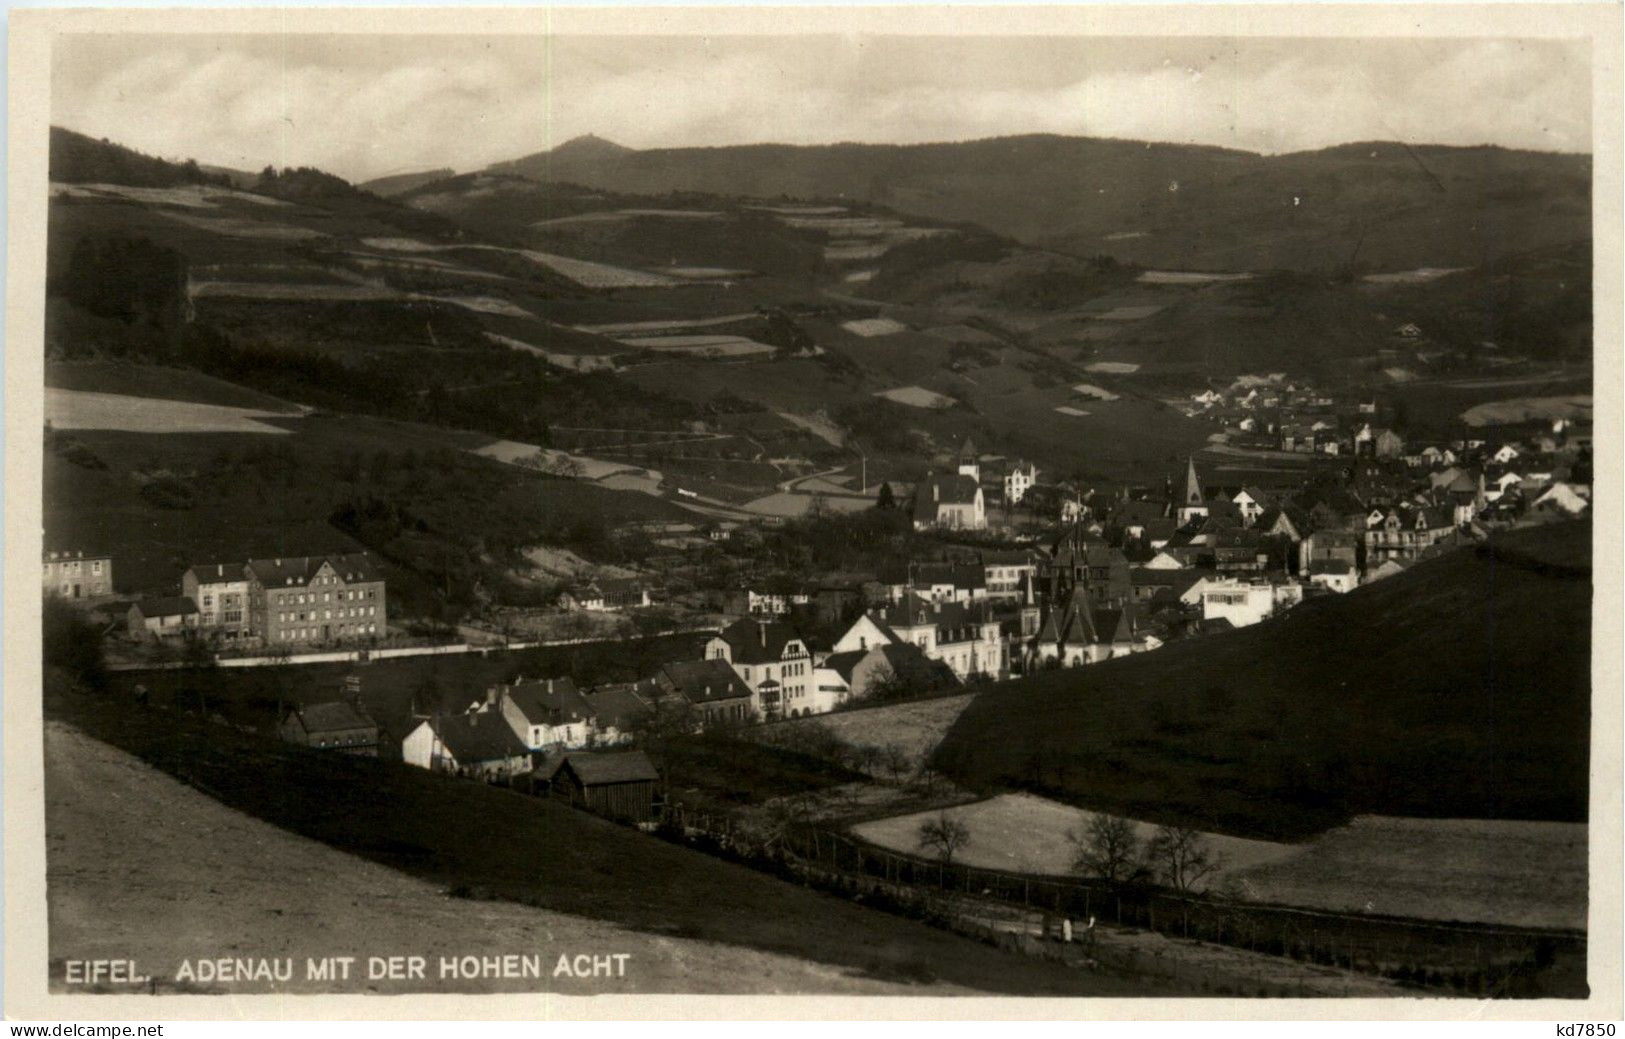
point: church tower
(968, 465)
(1191, 503)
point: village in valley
(1095, 574)
(830, 568)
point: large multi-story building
(316, 599)
(220, 591)
(771, 659)
(73, 575)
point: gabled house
(316, 599)
(1250, 504)
(165, 617)
(73, 575)
(221, 591)
(479, 743)
(545, 713)
(772, 660)
(952, 501)
(332, 725)
(967, 638)
(720, 697)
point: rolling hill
(1460, 688)
(1377, 206)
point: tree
(894, 758)
(943, 836)
(1107, 848)
(886, 498)
(1182, 857)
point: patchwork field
(917, 397)
(84, 409)
(1528, 874)
(1525, 409)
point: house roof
(758, 641)
(332, 716)
(626, 766)
(549, 701)
(960, 575)
(167, 606)
(913, 612)
(1340, 567)
(943, 489)
(478, 736)
(298, 570)
(617, 706)
(206, 573)
(705, 681)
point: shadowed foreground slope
(1460, 688)
(491, 843)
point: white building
(221, 593)
(73, 576)
(1248, 602)
(1018, 481)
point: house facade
(770, 658)
(312, 600)
(73, 575)
(221, 593)
(1244, 602)
(167, 617)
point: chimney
(761, 627)
(936, 491)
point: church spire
(1193, 486)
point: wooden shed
(620, 785)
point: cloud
(365, 106)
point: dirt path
(143, 867)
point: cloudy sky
(367, 106)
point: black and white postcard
(1065, 508)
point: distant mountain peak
(589, 145)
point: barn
(620, 785)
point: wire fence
(1470, 958)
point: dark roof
(627, 766)
(332, 716)
(906, 661)
(207, 572)
(942, 489)
(758, 642)
(912, 611)
(167, 606)
(479, 736)
(705, 681)
(549, 701)
(1331, 566)
(960, 575)
(298, 570)
(617, 706)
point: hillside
(554, 858)
(401, 183)
(77, 159)
(1379, 206)
(195, 875)
(1460, 688)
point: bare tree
(895, 760)
(1182, 857)
(1107, 848)
(943, 836)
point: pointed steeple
(1193, 486)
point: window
(96, 567)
